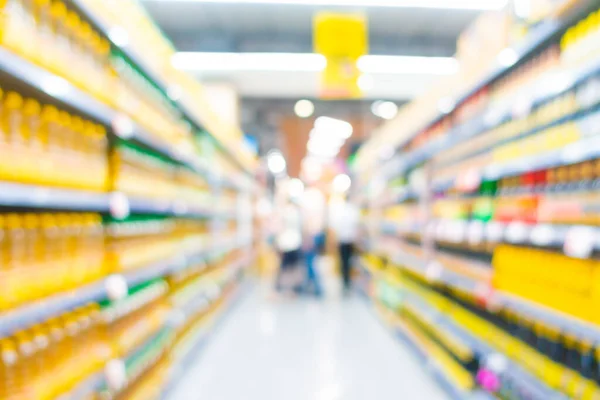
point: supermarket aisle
(304, 350)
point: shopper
(313, 215)
(289, 244)
(344, 221)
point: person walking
(345, 219)
(313, 213)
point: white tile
(303, 349)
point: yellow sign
(342, 39)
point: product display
(111, 252)
(487, 260)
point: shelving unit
(109, 196)
(489, 211)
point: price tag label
(457, 231)
(123, 126)
(475, 232)
(580, 242)
(543, 235)
(119, 205)
(494, 231)
(517, 232)
(116, 287)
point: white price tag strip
(543, 235)
(494, 232)
(475, 232)
(517, 232)
(116, 287)
(580, 242)
(119, 205)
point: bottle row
(558, 361)
(122, 342)
(63, 251)
(48, 146)
(56, 37)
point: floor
(303, 349)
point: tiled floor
(303, 349)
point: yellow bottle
(59, 57)
(74, 71)
(9, 359)
(44, 33)
(11, 125)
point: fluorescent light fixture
(304, 108)
(311, 62)
(291, 62)
(443, 4)
(408, 65)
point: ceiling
(195, 26)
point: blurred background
(299, 199)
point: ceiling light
(443, 4)
(408, 65)
(276, 162)
(291, 62)
(341, 183)
(384, 109)
(508, 57)
(311, 62)
(304, 108)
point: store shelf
(36, 77)
(39, 311)
(550, 317)
(536, 94)
(182, 362)
(583, 150)
(18, 195)
(517, 233)
(86, 389)
(518, 376)
(154, 75)
(405, 335)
